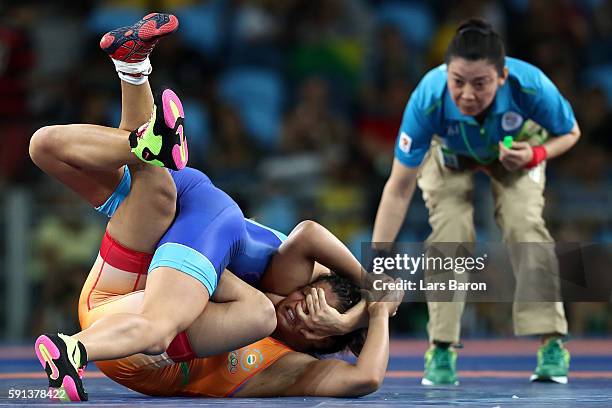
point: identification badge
(449, 158)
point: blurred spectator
(312, 125)
(329, 39)
(16, 63)
(392, 59)
(490, 11)
(64, 246)
(233, 151)
(378, 125)
(257, 33)
(258, 94)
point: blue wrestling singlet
(208, 234)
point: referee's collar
(501, 104)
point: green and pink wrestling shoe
(64, 360)
(161, 141)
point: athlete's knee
(43, 143)
(144, 330)
(165, 199)
(158, 346)
(155, 335)
(161, 190)
(168, 192)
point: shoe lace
(141, 130)
(145, 48)
(442, 358)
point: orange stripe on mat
(390, 374)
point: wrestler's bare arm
(298, 374)
(309, 251)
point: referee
(455, 124)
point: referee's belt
(456, 161)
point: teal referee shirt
(527, 94)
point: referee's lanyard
(473, 153)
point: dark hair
(475, 40)
(347, 292)
(348, 295)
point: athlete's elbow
(304, 235)
(576, 133)
(372, 383)
(307, 228)
(365, 385)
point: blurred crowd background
(293, 108)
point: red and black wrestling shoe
(134, 43)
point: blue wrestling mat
(493, 373)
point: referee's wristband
(539, 155)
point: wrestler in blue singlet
(209, 232)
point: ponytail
(474, 40)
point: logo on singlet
(250, 359)
(232, 362)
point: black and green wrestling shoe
(161, 141)
(64, 360)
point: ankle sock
(135, 73)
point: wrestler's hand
(322, 320)
(389, 302)
(517, 157)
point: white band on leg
(134, 73)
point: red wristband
(539, 155)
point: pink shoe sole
(173, 109)
(47, 351)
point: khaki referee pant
(519, 203)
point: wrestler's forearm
(356, 317)
(323, 247)
(556, 146)
(374, 355)
(338, 378)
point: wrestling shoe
(440, 366)
(553, 362)
(64, 360)
(134, 43)
(161, 141)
